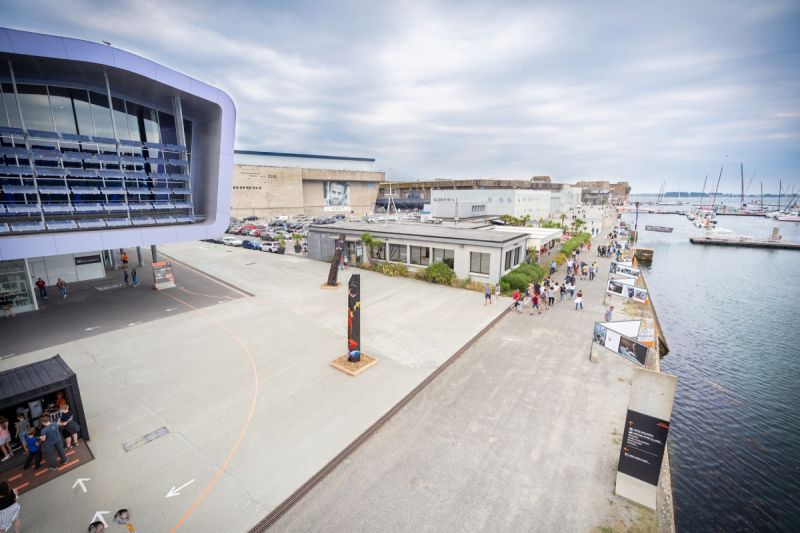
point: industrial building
(101, 149)
(267, 184)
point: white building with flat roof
(471, 253)
(472, 203)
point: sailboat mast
(762, 195)
(714, 200)
(780, 186)
(741, 170)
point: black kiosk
(32, 387)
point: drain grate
(144, 439)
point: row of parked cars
(269, 246)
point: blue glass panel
(14, 132)
(16, 169)
(41, 134)
(50, 171)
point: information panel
(643, 447)
(162, 275)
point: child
(22, 426)
(34, 450)
(5, 439)
(69, 428)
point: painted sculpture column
(333, 273)
(354, 319)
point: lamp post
(636, 226)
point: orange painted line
(15, 477)
(43, 470)
(69, 464)
(235, 448)
(21, 486)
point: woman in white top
(579, 300)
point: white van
(231, 241)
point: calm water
(732, 323)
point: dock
(745, 242)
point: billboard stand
(644, 436)
(354, 361)
(162, 275)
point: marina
(744, 242)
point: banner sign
(643, 446)
(620, 288)
(623, 345)
(623, 269)
(87, 259)
(336, 196)
(162, 275)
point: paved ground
(519, 434)
(87, 311)
(245, 388)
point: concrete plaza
(243, 385)
(521, 433)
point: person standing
(535, 303)
(9, 509)
(497, 292)
(22, 426)
(34, 450)
(515, 297)
(51, 443)
(42, 286)
(551, 295)
(133, 277)
(579, 300)
(124, 258)
(7, 303)
(553, 266)
(62, 287)
(609, 313)
(69, 428)
(125, 274)
(562, 291)
(5, 440)
(487, 295)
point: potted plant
(298, 242)
(281, 245)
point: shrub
(575, 242)
(391, 269)
(560, 259)
(439, 272)
(512, 281)
(533, 271)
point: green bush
(439, 272)
(561, 259)
(575, 242)
(532, 271)
(391, 269)
(512, 281)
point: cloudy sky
(631, 91)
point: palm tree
(563, 216)
(369, 243)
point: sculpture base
(326, 286)
(353, 369)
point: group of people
(60, 284)
(582, 269)
(611, 250)
(543, 296)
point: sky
(629, 91)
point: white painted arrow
(98, 516)
(170, 309)
(80, 483)
(134, 324)
(177, 492)
(90, 329)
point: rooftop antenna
(106, 42)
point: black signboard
(87, 259)
(162, 272)
(643, 447)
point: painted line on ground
(209, 276)
(184, 289)
(235, 448)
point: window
(35, 107)
(61, 103)
(478, 263)
(509, 258)
(378, 252)
(517, 253)
(398, 253)
(102, 115)
(420, 255)
(445, 256)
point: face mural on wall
(336, 195)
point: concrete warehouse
(267, 184)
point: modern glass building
(101, 149)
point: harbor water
(731, 319)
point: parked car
(251, 245)
(269, 246)
(231, 241)
(253, 217)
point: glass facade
(479, 263)
(14, 284)
(74, 161)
